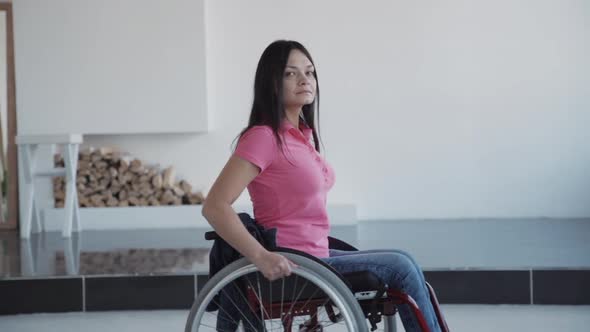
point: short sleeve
(258, 146)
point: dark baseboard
(101, 293)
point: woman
(288, 181)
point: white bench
(27, 147)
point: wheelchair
(314, 298)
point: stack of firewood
(110, 178)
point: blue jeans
(399, 271)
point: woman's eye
(309, 73)
(289, 73)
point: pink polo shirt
(290, 191)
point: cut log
(167, 197)
(135, 166)
(115, 189)
(87, 192)
(112, 201)
(107, 177)
(196, 198)
(168, 177)
(185, 186)
(105, 174)
(130, 177)
(96, 200)
(123, 166)
(146, 192)
(157, 181)
(106, 151)
(121, 178)
(152, 171)
(101, 164)
(84, 202)
(143, 179)
(103, 183)
(133, 201)
(60, 192)
(177, 191)
(92, 178)
(83, 165)
(116, 157)
(81, 180)
(85, 154)
(58, 186)
(95, 156)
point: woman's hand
(272, 265)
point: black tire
(313, 272)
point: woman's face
(299, 84)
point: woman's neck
(293, 116)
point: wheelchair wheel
(240, 298)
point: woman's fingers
(286, 268)
(275, 266)
(283, 267)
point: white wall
(429, 109)
(110, 66)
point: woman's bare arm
(217, 209)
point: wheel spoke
(307, 304)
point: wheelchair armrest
(334, 243)
(211, 235)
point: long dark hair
(268, 107)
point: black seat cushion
(363, 281)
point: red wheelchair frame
(385, 306)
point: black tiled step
(139, 292)
(561, 287)
(481, 287)
(20, 296)
(201, 280)
(178, 291)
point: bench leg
(71, 204)
(76, 227)
(31, 221)
(72, 254)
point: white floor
(461, 318)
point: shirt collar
(303, 128)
